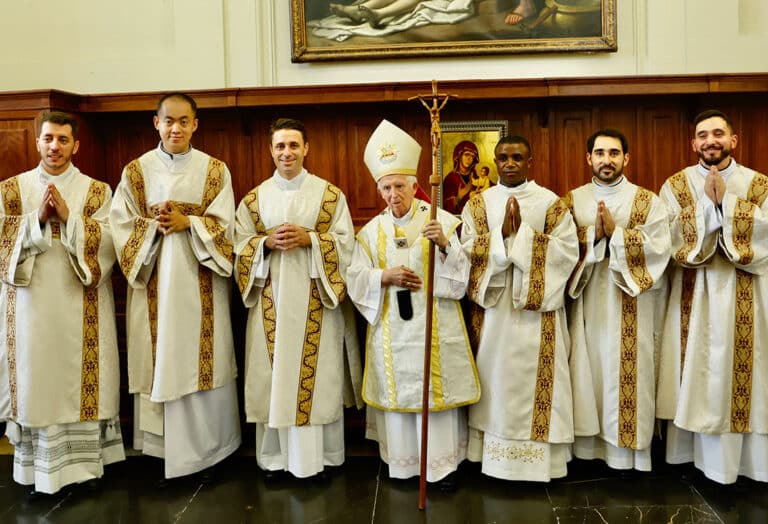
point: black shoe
(36, 496)
(628, 474)
(322, 476)
(448, 483)
(208, 476)
(273, 475)
(92, 486)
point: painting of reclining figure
(361, 29)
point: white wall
(107, 46)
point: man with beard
(522, 243)
(617, 288)
(713, 373)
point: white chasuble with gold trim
(520, 282)
(295, 350)
(177, 319)
(394, 354)
(713, 371)
(618, 287)
(58, 343)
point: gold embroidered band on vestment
(686, 219)
(686, 305)
(386, 328)
(11, 223)
(311, 350)
(205, 354)
(633, 247)
(545, 372)
(545, 379)
(89, 382)
(309, 356)
(744, 321)
(633, 239)
(478, 266)
(214, 182)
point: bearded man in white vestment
(294, 243)
(59, 377)
(618, 288)
(522, 243)
(387, 282)
(173, 222)
(713, 377)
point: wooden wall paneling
(663, 143)
(362, 196)
(17, 146)
(570, 129)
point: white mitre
(391, 151)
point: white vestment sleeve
(24, 243)
(702, 218)
(212, 233)
(79, 232)
(330, 264)
(364, 284)
(135, 236)
(739, 215)
(594, 254)
(656, 245)
(251, 262)
(451, 271)
(562, 253)
(493, 280)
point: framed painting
(371, 29)
(466, 161)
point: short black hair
(179, 96)
(288, 123)
(59, 118)
(613, 133)
(712, 113)
(514, 139)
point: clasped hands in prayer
(714, 186)
(170, 219)
(288, 236)
(604, 223)
(405, 277)
(53, 206)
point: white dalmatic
(523, 423)
(297, 361)
(618, 288)
(716, 331)
(59, 376)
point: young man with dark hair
(714, 346)
(173, 222)
(59, 380)
(618, 291)
(521, 240)
(294, 241)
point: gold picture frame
(350, 30)
(461, 176)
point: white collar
(47, 178)
(292, 184)
(725, 173)
(609, 189)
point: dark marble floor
(360, 492)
